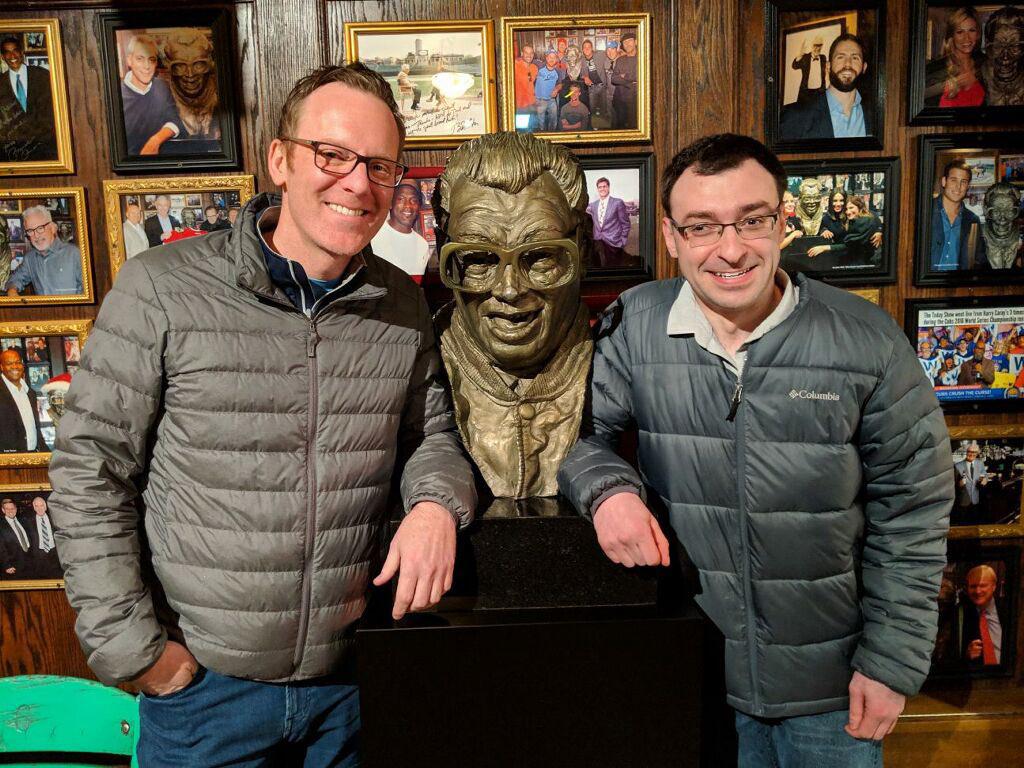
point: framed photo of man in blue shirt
(825, 92)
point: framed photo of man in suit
(35, 133)
(988, 476)
(146, 213)
(28, 549)
(977, 611)
(825, 83)
(622, 213)
(37, 362)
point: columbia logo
(806, 394)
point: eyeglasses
(749, 228)
(341, 161)
(480, 267)
(37, 230)
(197, 67)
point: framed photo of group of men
(28, 551)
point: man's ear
(668, 230)
(277, 162)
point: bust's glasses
(749, 228)
(480, 267)
(197, 67)
(341, 161)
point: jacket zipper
(307, 566)
(748, 596)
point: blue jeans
(226, 721)
(808, 741)
(547, 115)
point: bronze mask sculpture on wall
(512, 230)
(190, 59)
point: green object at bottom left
(52, 716)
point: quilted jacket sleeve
(593, 471)
(437, 468)
(111, 408)
(908, 474)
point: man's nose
(509, 285)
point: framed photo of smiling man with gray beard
(826, 68)
(170, 91)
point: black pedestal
(543, 654)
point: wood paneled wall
(707, 76)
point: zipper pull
(311, 341)
(737, 396)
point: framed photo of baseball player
(170, 90)
(969, 224)
(28, 550)
(35, 133)
(988, 474)
(44, 247)
(622, 212)
(978, 612)
(840, 220)
(37, 361)
(971, 349)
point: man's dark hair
(843, 37)
(209, 208)
(414, 187)
(602, 180)
(714, 154)
(962, 165)
(355, 75)
(11, 39)
(6, 501)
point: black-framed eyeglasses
(749, 228)
(341, 161)
(37, 230)
(479, 267)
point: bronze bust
(512, 229)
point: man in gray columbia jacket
(230, 440)
(801, 455)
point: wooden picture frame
(445, 96)
(66, 206)
(61, 349)
(43, 569)
(981, 511)
(117, 194)
(47, 151)
(629, 119)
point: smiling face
(334, 216)
(732, 277)
(810, 197)
(516, 327)
(955, 184)
(847, 65)
(1000, 213)
(190, 60)
(588, 49)
(981, 585)
(1006, 51)
(10, 510)
(133, 213)
(852, 211)
(42, 231)
(39, 505)
(965, 36)
(405, 208)
(11, 366)
(603, 189)
(142, 63)
(838, 202)
(12, 55)
(162, 205)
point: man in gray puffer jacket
(802, 457)
(257, 387)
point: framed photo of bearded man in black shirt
(841, 220)
(170, 90)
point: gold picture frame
(74, 215)
(244, 187)
(461, 122)
(63, 162)
(14, 489)
(989, 432)
(79, 329)
(874, 295)
(583, 26)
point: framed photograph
(825, 71)
(37, 361)
(988, 473)
(966, 63)
(977, 612)
(622, 209)
(579, 79)
(35, 133)
(28, 551)
(971, 349)
(145, 213)
(841, 220)
(407, 238)
(170, 90)
(441, 72)
(44, 247)
(969, 224)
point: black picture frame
(918, 110)
(775, 74)
(931, 149)
(885, 271)
(643, 268)
(1004, 393)
(955, 625)
(205, 156)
